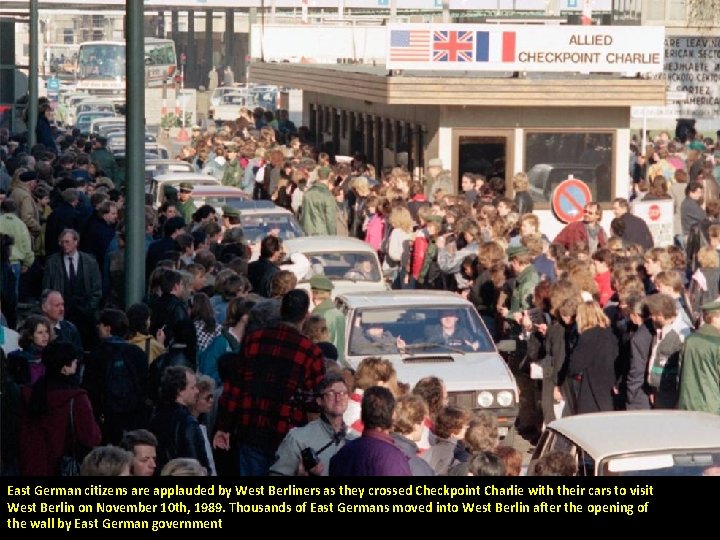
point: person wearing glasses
(324, 436)
(588, 230)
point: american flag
(452, 46)
(409, 45)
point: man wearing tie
(76, 276)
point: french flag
(495, 46)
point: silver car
(636, 443)
(427, 333)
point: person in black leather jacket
(177, 430)
(523, 200)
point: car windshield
(352, 265)
(418, 330)
(671, 463)
(258, 226)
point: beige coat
(27, 207)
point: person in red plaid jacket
(277, 371)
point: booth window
(552, 156)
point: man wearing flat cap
(526, 279)
(22, 188)
(321, 288)
(186, 204)
(700, 364)
(231, 217)
(437, 178)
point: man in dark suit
(76, 276)
(52, 304)
(157, 250)
(64, 216)
(260, 272)
(636, 230)
(100, 231)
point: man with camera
(307, 450)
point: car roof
(320, 244)
(620, 432)
(186, 177)
(168, 162)
(213, 189)
(255, 212)
(400, 298)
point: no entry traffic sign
(569, 199)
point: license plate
(503, 431)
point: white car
(174, 180)
(636, 443)
(230, 104)
(406, 327)
(217, 196)
(259, 219)
(351, 264)
(156, 167)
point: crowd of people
(227, 368)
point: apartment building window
(69, 36)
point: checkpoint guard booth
(553, 101)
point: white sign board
(317, 44)
(659, 218)
(478, 47)
(692, 66)
(665, 112)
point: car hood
(460, 373)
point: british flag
(453, 46)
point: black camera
(309, 458)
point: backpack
(123, 388)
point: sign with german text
(477, 47)
(692, 67)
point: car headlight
(505, 398)
(485, 399)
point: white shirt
(66, 261)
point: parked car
(230, 104)
(258, 219)
(351, 264)
(101, 125)
(84, 119)
(217, 196)
(155, 167)
(636, 443)
(175, 179)
(411, 324)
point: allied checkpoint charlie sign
(475, 47)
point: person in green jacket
(319, 207)
(186, 204)
(234, 172)
(104, 160)
(321, 288)
(700, 365)
(525, 282)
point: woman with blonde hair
(523, 200)
(592, 362)
(397, 256)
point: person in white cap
(437, 178)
